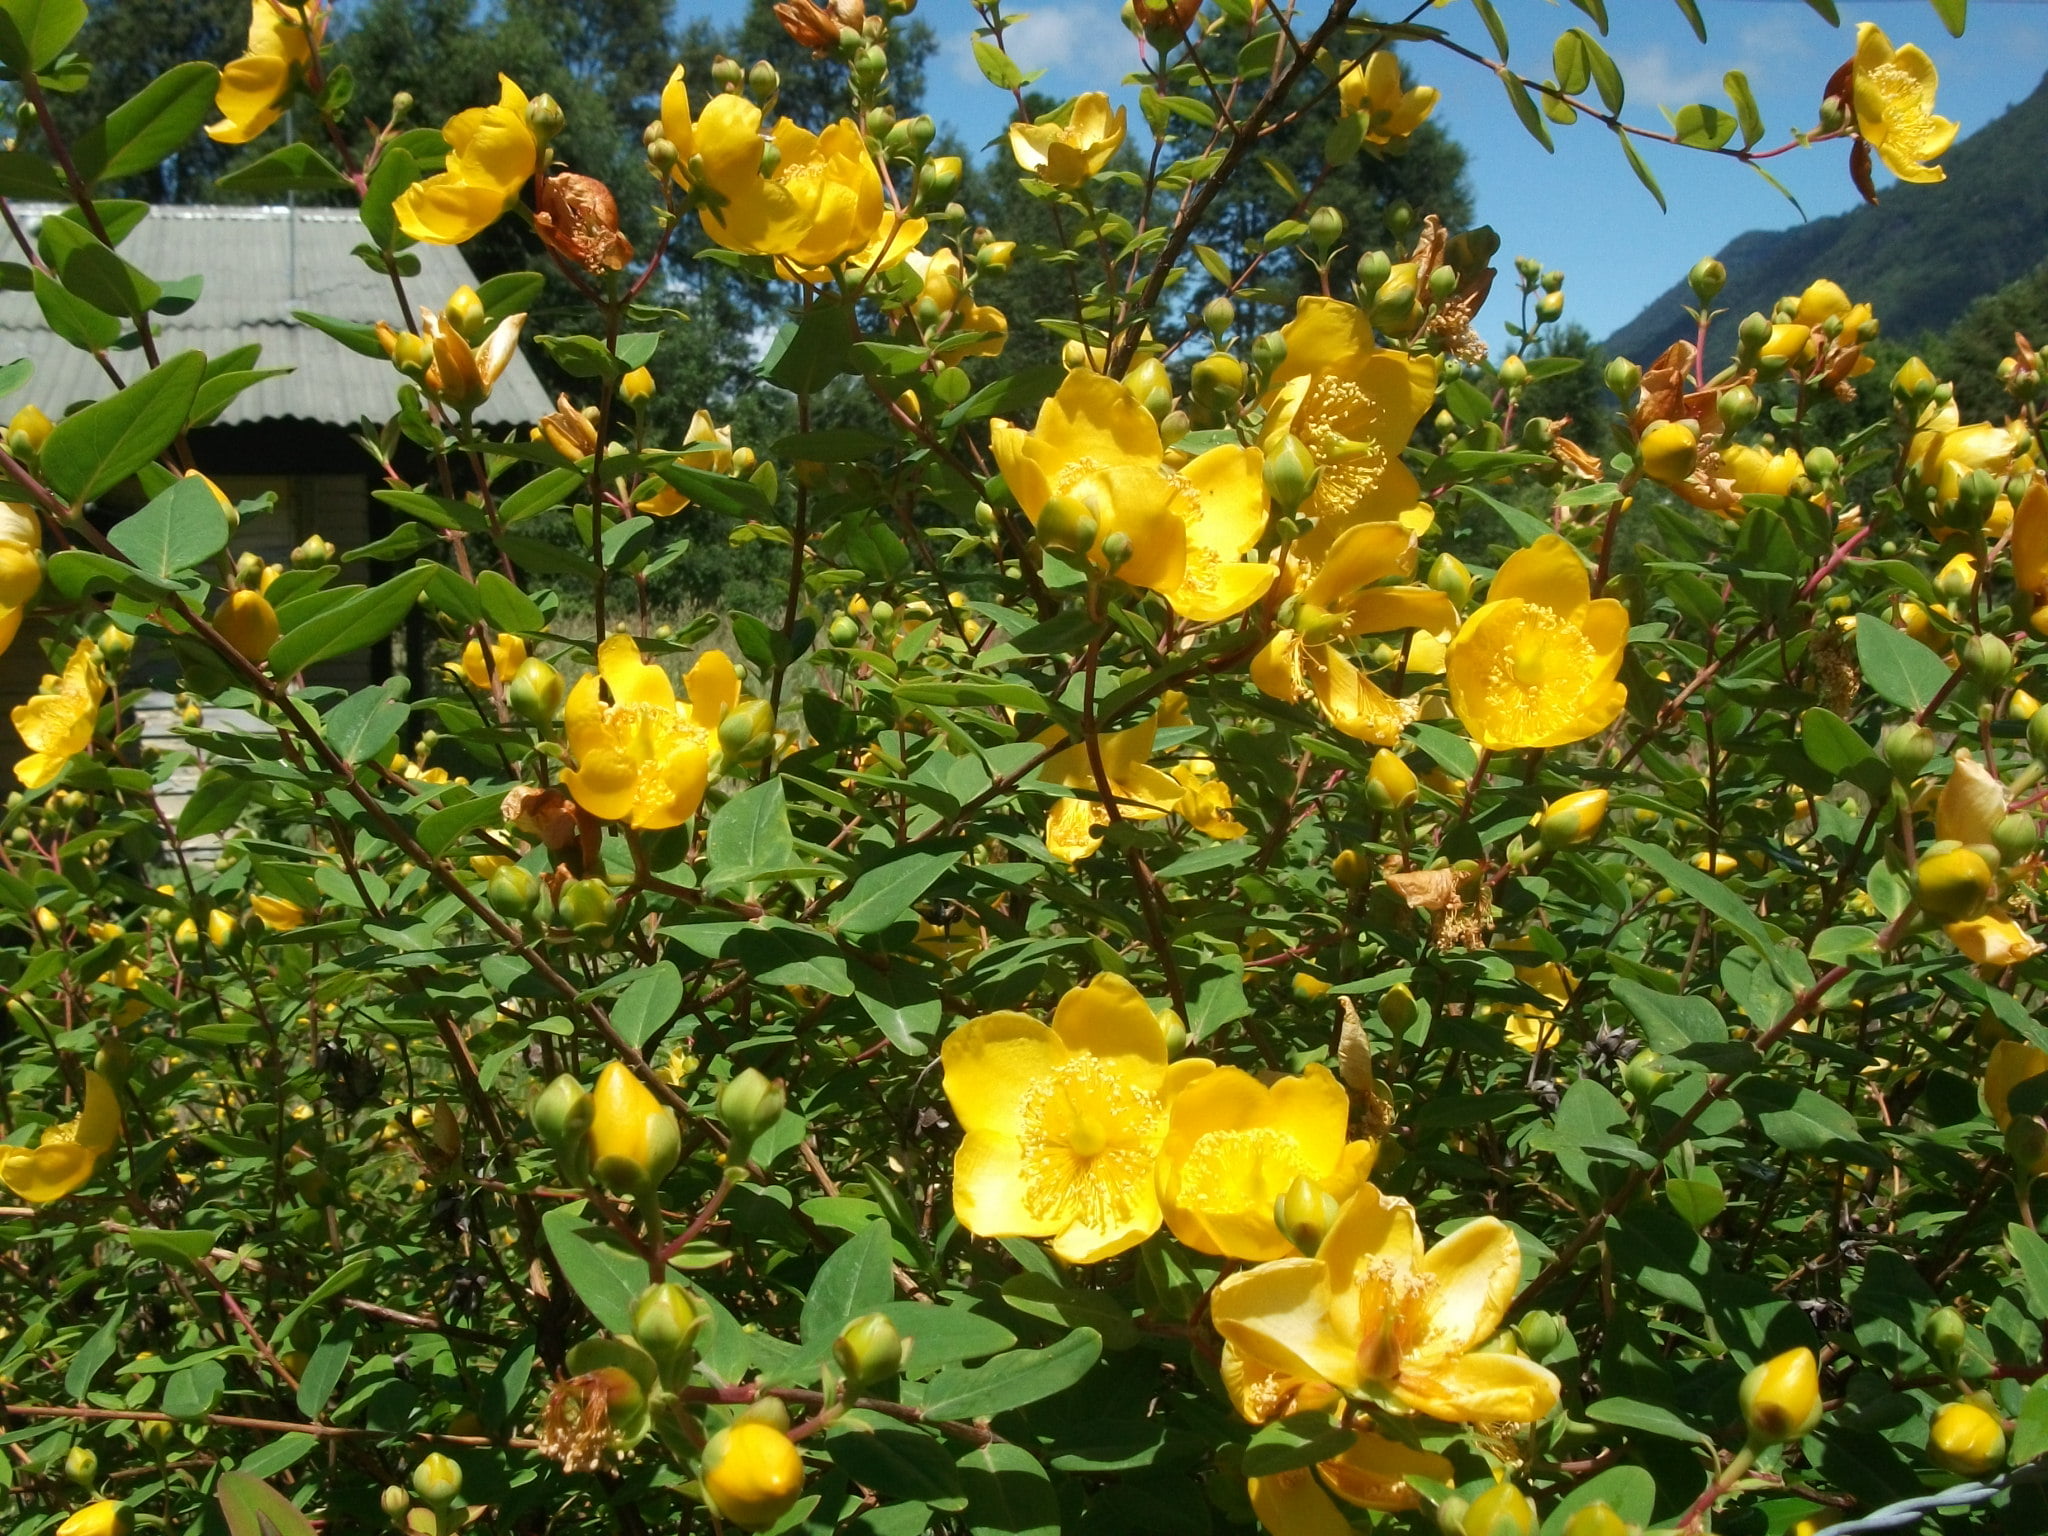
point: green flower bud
(1907, 749)
(1374, 268)
(1645, 1075)
(155, 1433)
(1151, 386)
(1549, 308)
(1976, 495)
(1448, 575)
(396, 1502)
(587, 907)
(1290, 474)
(536, 693)
(1303, 1213)
(1623, 378)
(1443, 282)
(1739, 407)
(1218, 316)
(1821, 464)
(1117, 549)
(2037, 734)
(512, 892)
(747, 734)
(1952, 884)
(1326, 226)
(868, 1349)
(665, 1320)
(1514, 373)
(1269, 352)
(82, 1467)
(1706, 279)
(1752, 335)
(562, 1112)
(2015, 836)
(1450, 1516)
(749, 1104)
(1573, 818)
(1539, 1333)
(1596, 1519)
(437, 1480)
(545, 118)
(1176, 1031)
(1217, 381)
(1397, 1008)
(1065, 522)
(1944, 1336)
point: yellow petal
(713, 685)
(250, 97)
(989, 1063)
(676, 125)
(1972, 802)
(1476, 1271)
(1277, 669)
(604, 783)
(1356, 705)
(446, 210)
(1293, 1504)
(1371, 1226)
(1358, 557)
(99, 1123)
(1481, 1389)
(2012, 1063)
(1279, 1315)
(989, 1180)
(1374, 1473)
(630, 679)
(1549, 572)
(1110, 1018)
(42, 1174)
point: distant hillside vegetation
(1919, 258)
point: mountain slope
(1918, 258)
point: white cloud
(1087, 39)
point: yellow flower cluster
(1140, 792)
(643, 757)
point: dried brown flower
(578, 219)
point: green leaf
(1044, 1297)
(879, 896)
(996, 66)
(506, 606)
(809, 353)
(94, 1353)
(1525, 109)
(1710, 893)
(171, 1245)
(1832, 743)
(195, 1391)
(444, 828)
(1827, 11)
(1898, 668)
(1736, 83)
(902, 1002)
(853, 1281)
(897, 1461)
(1631, 1492)
(1691, 10)
(150, 126)
(1597, 9)
(1570, 63)
(75, 572)
(75, 321)
(323, 1373)
(1642, 169)
(349, 625)
(1495, 28)
(254, 1508)
(94, 273)
(2031, 1249)
(1672, 1023)
(217, 802)
(34, 32)
(1954, 14)
(25, 174)
(359, 338)
(1647, 1418)
(364, 723)
(606, 1276)
(749, 835)
(95, 449)
(1012, 1380)
(1811, 1122)
(293, 168)
(2030, 1434)
(544, 492)
(721, 493)
(175, 531)
(1300, 1440)
(1008, 1492)
(1699, 126)
(649, 1001)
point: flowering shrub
(1268, 936)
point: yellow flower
(1222, 507)
(278, 915)
(508, 653)
(1096, 447)
(284, 35)
(102, 1517)
(57, 724)
(2012, 1063)
(1234, 1145)
(1067, 154)
(944, 282)
(1972, 803)
(705, 446)
(1063, 1124)
(1894, 101)
(1373, 1314)
(1528, 1025)
(1535, 666)
(247, 622)
(1353, 406)
(1758, 472)
(633, 1138)
(753, 1474)
(65, 1155)
(461, 376)
(1338, 595)
(1945, 450)
(1141, 791)
(491, 154)
(1781, 1398)
(643, 757)
(818, 206)
(1205, 802)
(1374, 88)
(21, 571)
(1373, 1472)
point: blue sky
(1581, 209)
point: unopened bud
(1597, 1519)
(512, 892)
(1503, 1510)
(1781, 1398)
(1217, 381)
(747, 734)
(763, 82)
(1539, 1333)
(1952, 884)
(1351, 870)
(1907, 750)
(1623, 378)
(2015, 836)
(1739, 407)
(536, 693)
(1966, 1439)
(396, 1502)
(637, 387)
(1151, 386)
(465, 312)
(1397, 1008)
(1944, 1336)
(81, 1466)
(1573, 818)
(1269, 351)
(1290, 474)
(1064, 522)
(1706, 279)
(1218, 316)
(1987, 661)
(1514, 373)
(1326, 226)
(1753, 335)
(587, 908)
(437, 1480)
(562, 1112)
(1303, 1213)
(1646, 1075)
(544, 117)
(749, 1105)
(868, 1349)
(2026, 1143)
(665, 1320)
(1389, 783)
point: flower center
(1542, 670)
(1240, 1170)
(1089, 1137)
(1388, 1315)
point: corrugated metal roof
(258, 265)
